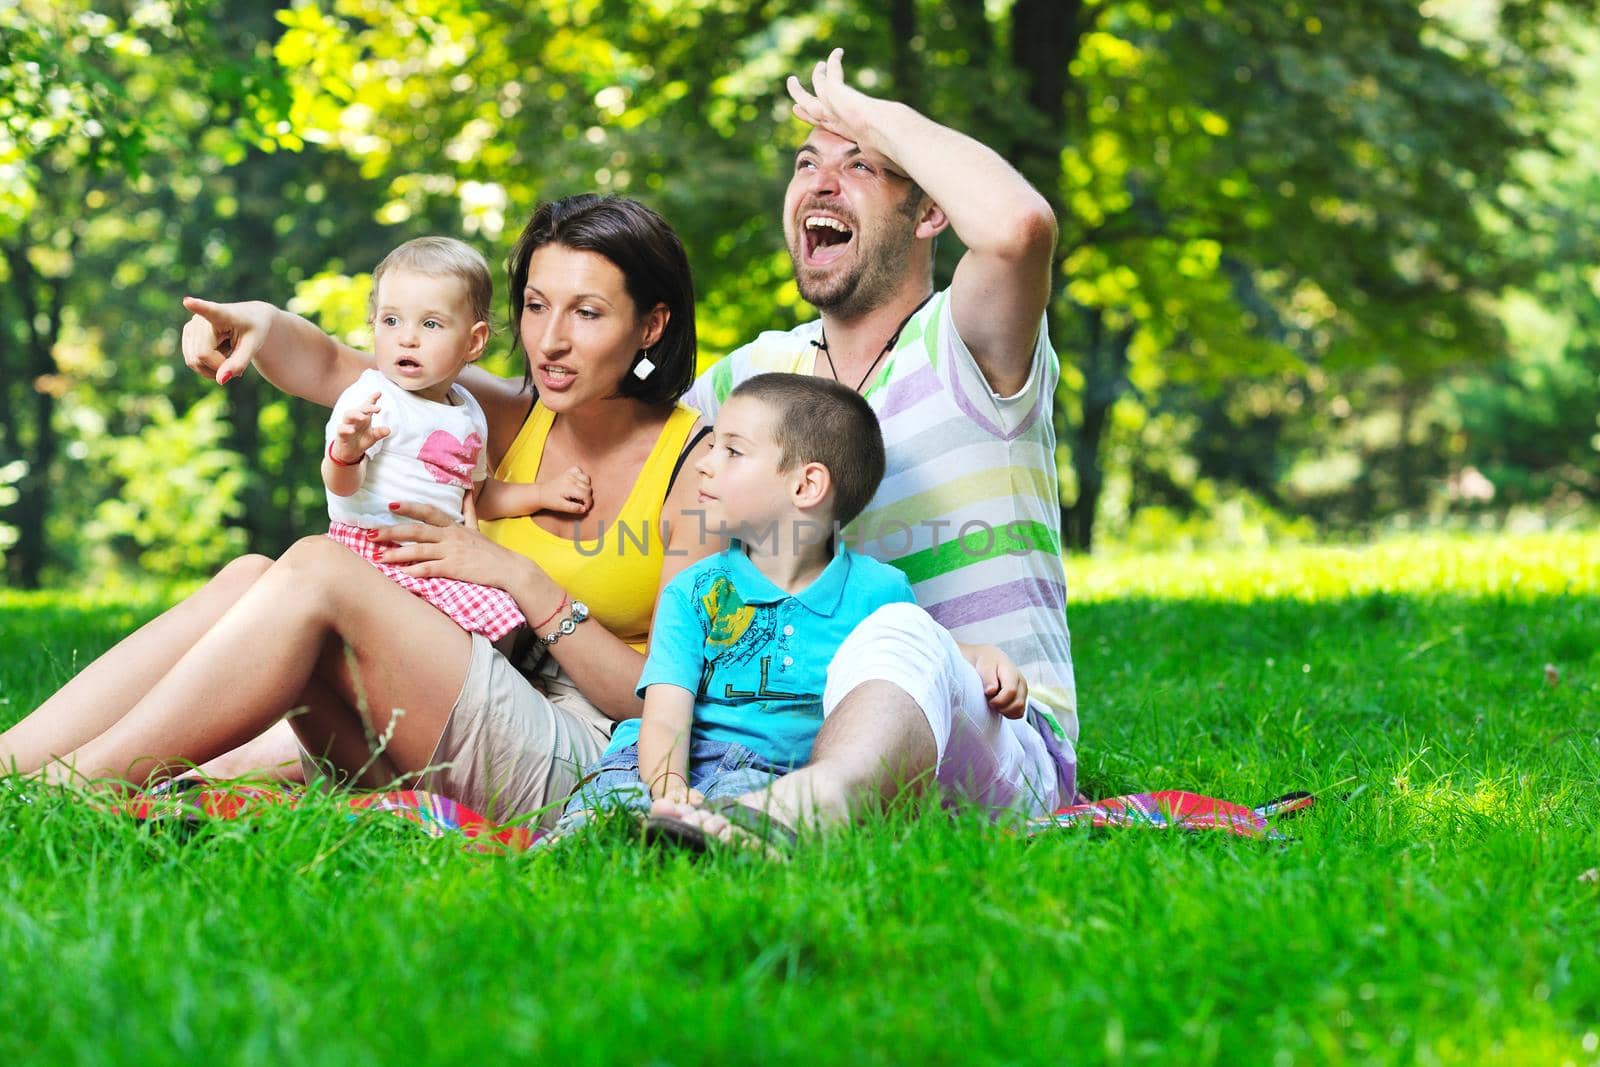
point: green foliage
(1295, 238)
(1266, 190)
(663, 103)
(1532, 423)
(180, 489)
(213, 207)
(108, 109)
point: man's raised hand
(832, 104)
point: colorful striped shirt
(968, 508)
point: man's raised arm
(1002, 283)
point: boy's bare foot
(736, 824)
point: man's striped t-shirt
(968, 508)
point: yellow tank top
(618, 574)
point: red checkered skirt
(478, 609)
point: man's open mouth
(824, 239)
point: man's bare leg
(875, 744)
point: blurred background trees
(1323, 268)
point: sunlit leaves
(180, 489)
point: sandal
(759, 831)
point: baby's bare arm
(568, 493)
(344, 463)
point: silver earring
(643, 368)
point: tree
(1246, 188)
(1254, 187)
(1530, 423)
(89, 100)
(1269, 209)
(164, 175)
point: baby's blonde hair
(443, 257)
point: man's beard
(867, 284)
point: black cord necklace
(894, 338)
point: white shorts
(984, 758)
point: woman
(599, 288)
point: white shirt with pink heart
(433, 454)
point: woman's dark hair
(654, 269)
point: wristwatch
(579, 612)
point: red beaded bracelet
(552, 615)
(337, 462)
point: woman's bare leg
(346, 736)
(256, 661)
(274, 754)
(103, 692)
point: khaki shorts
(509, 749)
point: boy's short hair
(440, 257)
(818, 421)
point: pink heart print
(449, 459)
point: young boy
(739, 650)
(405, 430)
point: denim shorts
(716, 768)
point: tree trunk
(1405, 467)
(1045, 35)
(10, 438)
(903, 65)
(25, 563)
(1045, 38)
(1105, 376)
(268, 527)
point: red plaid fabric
(478, 609)
(190, 800)
(1175, 809)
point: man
(962, 381)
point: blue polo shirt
(755, 657)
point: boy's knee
(899, 643)
(903, 626)
(901, 615)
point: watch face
(579, 612)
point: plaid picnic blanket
(434, 814)
(1175, 810)
(438, 816)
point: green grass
(1439, 915)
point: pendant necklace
(894, 338)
